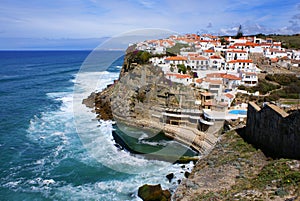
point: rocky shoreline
(138, 95)
(230, 170)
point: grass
(176, 48)
(259, 178)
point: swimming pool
(240, 112)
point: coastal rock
(170, 177)
(187, 174)
(153, 193)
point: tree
(224, 41)
(181, 68)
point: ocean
(51, 146)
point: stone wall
(273, 130)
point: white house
(231, 81)
(236, 65)
(296, 55)
(198, 62)
(236, 54)
(215, 87)
(157, 60)
(227, 98)
(174, 60)
(209, 52)
(216, 62)
(180, 78)
(248, 78)
(273, 53)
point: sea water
(49, 151)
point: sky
(83, 24)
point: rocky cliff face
(140, 93)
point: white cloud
(97, 18)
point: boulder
(153, 193)
(187, 174)
(170, 177)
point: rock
(187, 174)
(153, 193)
(170, 177)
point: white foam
(56, 129)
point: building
(248, 78)
(175, 60)
(236, 55)
(216, 62)
(240, 64)
(180, 78)
(198, 63)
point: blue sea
(51, 146)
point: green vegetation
(279, 172)
(139, 57)
(224, 41)
(291, 85)
(288, 41)
(176, 48)
(282, 79)
(287, 87)
(263, 87)
(181, 68)
(259, 178)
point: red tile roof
(215, 75)
(229, 95)
(176, 58)
(179, 76)
(240, 61)
(209, 51)
(231, 77)
(237, 51)
(199, 80)
(206, 94)
(198, 58)
(215, 57)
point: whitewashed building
(216, 62)
(180, 78)
(198, 62)
(176, 60)
(236, 54)
(249, 78)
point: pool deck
(222, 115)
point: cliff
(235, 170)
(142, 96)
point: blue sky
(80, 24)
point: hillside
(288, 41)
(235, 170)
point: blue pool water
(241, 112)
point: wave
(74, 147)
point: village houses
(218, 69)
